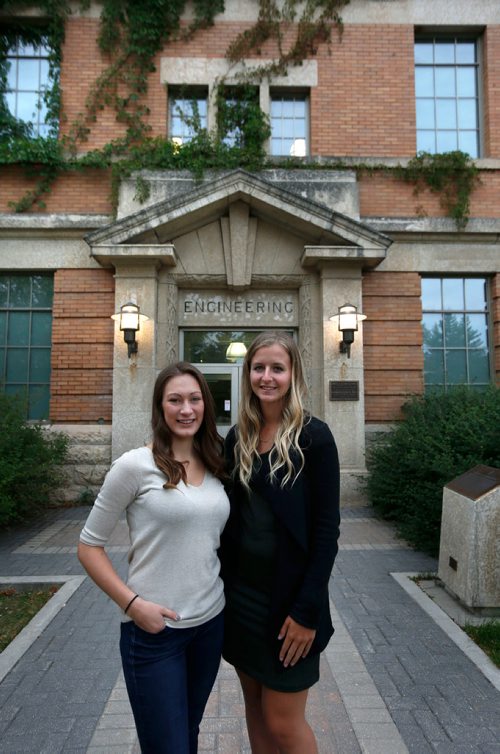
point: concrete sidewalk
(397, 676)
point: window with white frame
(289, 124)
(26, 339)
(29, 85)
(455, 332)
(187, 113)
(447, 100)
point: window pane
(453, 294)
(475, 293)
(20, 291)
(426, 141)
(434, 367)
(479, 366)
(2, 365)
(41, 328)
(425, 113)
(4, 290)
(3, 327)
(29, 75)
(477, 331)
(454, 330)
(446, 114)
(39, 400)
(466, 52)
(18, 329)
(468, 142)
(424, 82)
(445, 82)
(467, 114)
(17, 365)
(466, 82)
(11, 74)
(424, 52)
(431, 293)
(446, 141)
(39, 365)
(433, 331)
(276, 108)
(456, 371)
(42, 291)
(444, 52)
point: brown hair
(207, 441)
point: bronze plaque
(344, 390)
(476, 482)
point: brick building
(212, 260)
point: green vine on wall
(452, 175)
(131, 35)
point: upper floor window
(289, 124)
(455, 330)
(233, 113)
(29, 86)
(187, 113)
(25, 339)
(446, 89)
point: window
(455, 330)
(25, 339)
(289, 124)
(446, 89)
(29, 86)
(232, 113)
(187, 111)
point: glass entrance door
(219, 354)
(224, 383)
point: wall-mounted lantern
(236, 352)
(347, 318)
(130, 319)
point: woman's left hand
(297, 641)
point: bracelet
(133, 598)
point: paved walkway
(394, 680)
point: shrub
(30, 462)
(441, 436)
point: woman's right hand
(150, 616)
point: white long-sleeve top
(174, 535)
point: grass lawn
(487, 637)
(17, 608)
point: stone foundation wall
(89, 459)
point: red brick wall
(491, 91)
(82, 346)
(382, 195)
(392, 334)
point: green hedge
(441, 436)
(30, 463)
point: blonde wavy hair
(250, 418)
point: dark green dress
(246, 643)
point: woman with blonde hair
(279, 546)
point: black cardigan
(307, 529)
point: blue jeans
(169, 677)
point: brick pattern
(491, 93)
(82, 346)
(392, 334)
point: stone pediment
(238, 200)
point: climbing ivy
(130, 36)
(452, 175)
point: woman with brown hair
(172, 599)
(279, 546)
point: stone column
(134, 377)
(341, 284)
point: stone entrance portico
(244, 241)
